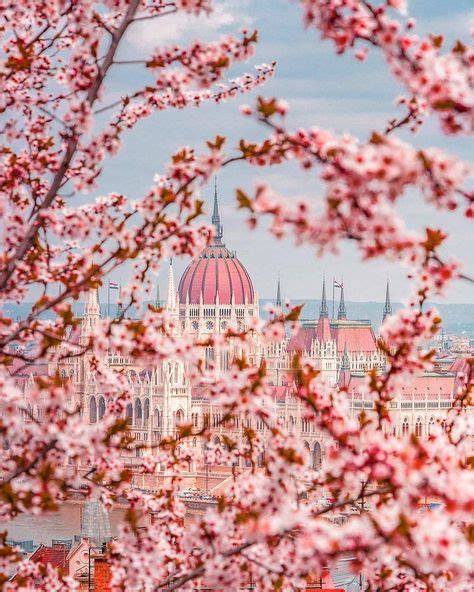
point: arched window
(292, 423)
(179, 417)
(101, 407)
(129, 413)
(146, 410)
(217, 441)
(317, 456)
(92, 410)
(157, 418)
(418, 427)
(405, 427)
(261, 459)
(138, 412)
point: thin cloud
(225, 16)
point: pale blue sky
(322, 89)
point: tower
(341, 313)
(387, 310)
(91, 315)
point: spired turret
(387, 310)
(278, 297)
(342, 313)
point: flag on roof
(113, 285)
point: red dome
(216, 272)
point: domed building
(215, 290)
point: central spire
(216, 219)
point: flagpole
(108, 299)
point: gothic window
(129, 413)
(261, 459)
(195, 325)
(92, 410)
(179, 417)
(418, 427)
(209, 357)
(317, 456)
(209, 325)
(146, 409)
(157, 418)
(138, 412)
(405, 427)
(224, 325)
(101, 407)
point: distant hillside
(457, 318)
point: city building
(214, 293)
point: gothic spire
(278, 298)
(323, 309)
(387, 310)
(157, 299)
(341, 313)
(216, 219)
(346, 361)
(171, 300)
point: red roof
(323, 330)
(302, 340)
(355, 335)
(460, 365)
(219, 276)
(425, 386)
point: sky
(322, 89)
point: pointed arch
(138, 412)
(92, 410)
(129, 413)
(146, 410)
(101, 407)
(317, 456)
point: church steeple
(216, 220)
(387, 310)
(323, 309)
(341, 313)
(278, 298)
